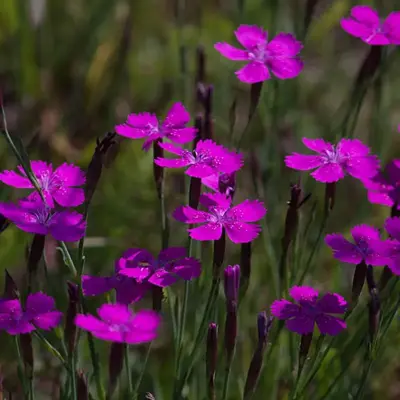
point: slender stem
(50, 347)
(21, 373)
(226, 379)
(69, 261)
(128, 372)
(143, 369)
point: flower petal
(329, 325)
(283, 309)
(177, 117)
(146, 320)
(248, 211)
(250, 36)
(362, 167)
(129, 290)
(303, 293)
(11, 178)
(38, 303)
(363, 233)
(285, 68)
(332, 303)
(284, 45)
(181, 135)
(301, 324)
(69, 196)
(302, 162)
(241, 232)
(67, 226)
(391, 27)
(115, 313)
(318, 145)
(343, 250)
(209, 231)
(253, 72)
(330, 172)
(70, 175)
(189, 215)
(170, 254)
(96, 285)
(48, 320)
(171, 148)
(392, 226)
(171, 162)
(90, 323)
(230, 52)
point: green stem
(69, 261)
(21, 373)
(50, 348)
(143, 369)
(226, 379)
(128, 372)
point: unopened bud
(231, 284)
(211, 358)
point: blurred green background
(71, 70)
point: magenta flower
(59, 185)
(207, 159)
(170, 265)
(392, 226)
(332, 163)
(118, 323)
(367, 246)
(384, 188)
(301, 317)
(280, 55)
(146, 125)
(39, 313)
(37, 217)
(221, 215)
(364, 23)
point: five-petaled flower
(146, 125)
(59, 185)
(39, 313)
(332, 163)
(392, 226)
(170, 265)
(384, 188)
(207, 159)
(118, 323)
(280, 55)
(37, 217)
(364, 23)
(301, 317)
(367, 246)
(221, 215)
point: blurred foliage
(71, 70)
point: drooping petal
(190, 215)
(250, 36)
(392, 226)
(285, 68)
(18, 327)
(70, 175)
(303, 293)
(96, 285)
(163, 278)
(302, 162)
(332, 303)
(212, 182)
(283, 309)
(230, 52)
(318, 145)
(329, 325)
(380, 198)
(284, 45)
(149, 141)
(253, 72)
(209, 231)
(11, 178)
(301, 324)
(187, 269)
(248, 211)
(329, 172)
(177, 117)
(69, 196)
(241, 232)
(343, 250)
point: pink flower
(146, 125)
(332, 163)
(364, 23)
(221, 215)
(207, 159)
(384, 188)
(39, 313)
(117, 323)
(280, 55)
(170, 266)
(36, 217)
(58, 185)
(310, 310)
(367, 246)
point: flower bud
(115, 365)
(70, 331)
(292, 217)
(264, 324)
(211, 358)
(231, 284)
(245, 266)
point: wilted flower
(280, 55)
(301, 317)
(170, 265)
(59, 185)
(384, 187)
(367, 246)
(207, 159)
(332, 163)
(117, 323)
(146, 125)
(39, 313)
(364, 23)
(37, 217)
(221, 215)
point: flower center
(332, 156)
(259, 53)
